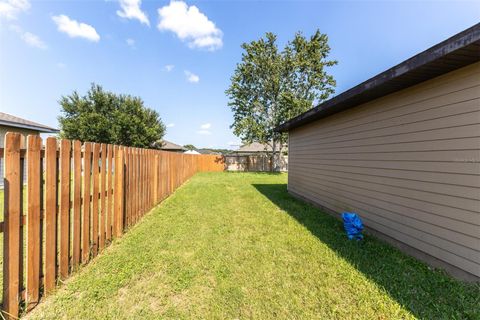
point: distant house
(256, 148)
(170, 146)
(9, 123)
(208, 151)
(255, 157)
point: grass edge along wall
(407, 161)
(77, 202)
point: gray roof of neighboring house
(12, 121)
(456, 52)
(167, 145)
(256, 147)
(208, 151)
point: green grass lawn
(235, 246)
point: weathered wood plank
(65, 148)
(12, 213)
(135, 185)
(103, 211)
(155, 179)
(87, 169)
(110, 192)
(50, 214)
(128, 186)
(77, 194)
(34, 240)
(119, 195)
(95, 186)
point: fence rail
(77, 199)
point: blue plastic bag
(353, 225)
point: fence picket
(77, 204)
(50, 214)
(12, 213)
(142, 182)
(118, 197)
(64, 211)
(87, 154)
(95, 192)
(135, 185)
(155, 178)
(128, 186)
(103, 190)
(34, 240)
(110, 192)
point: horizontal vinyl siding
(408, 163)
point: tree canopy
(105, 117)
(190, 147)
(270, 86)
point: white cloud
(28, 37)
(169, 67)
(191, 77)
(10, 9)
(204, 129)
(234, 143)
(61, 65)
(33, 40)
(190, 25)
(131, 10)
(130, 42)
(75, 29)
(170, 125)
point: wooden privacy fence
(78, 197)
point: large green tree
(270, 86)
(106, 117)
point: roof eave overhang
(30, 127)
(456, 52)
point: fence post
(119, 194)
(12, 212)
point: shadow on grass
(426, 293)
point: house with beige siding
(11, 123)
(402, 149)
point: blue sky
(179, 56)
